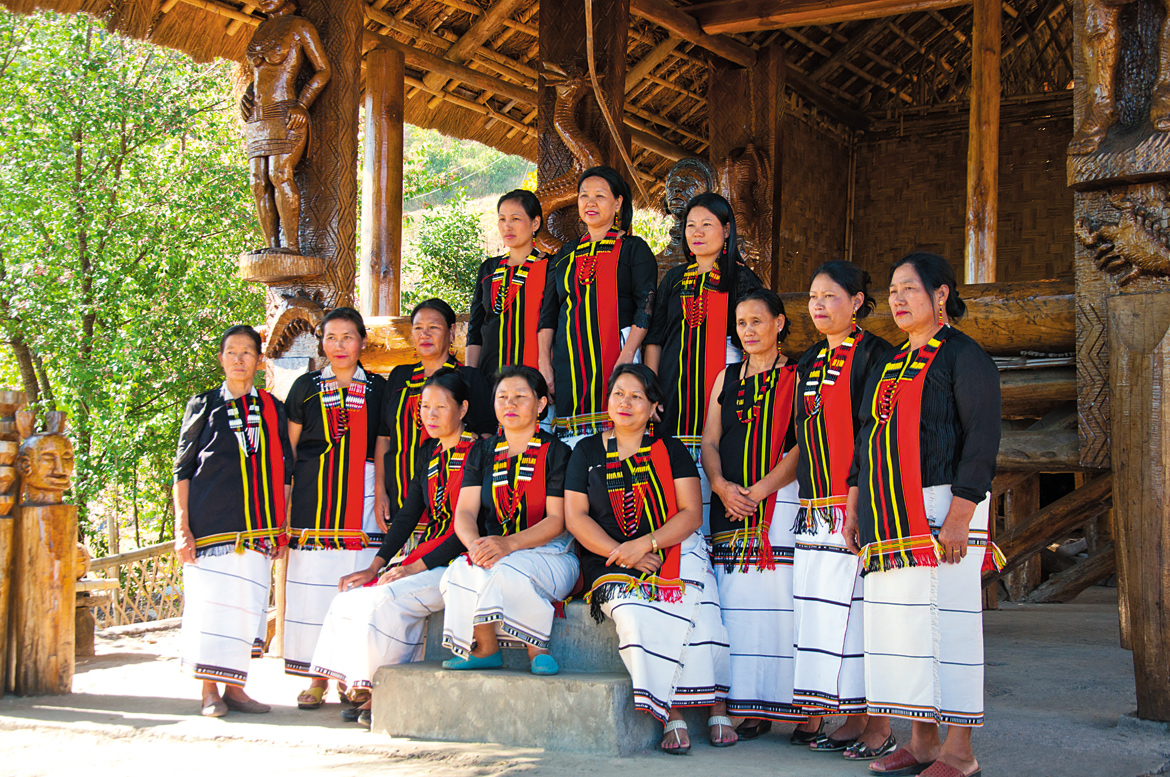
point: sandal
(941, 769)
(826, 744)
(358, 696)
(747, 730)
(672, 727)
(859, 751)
(311, 699)
(900, 763)
(806, 738)
(721, 721)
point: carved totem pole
(1119, 164)
(300, 115)
(46, 551)
(687, 179)
(9, 444)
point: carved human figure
(1100, 46)
(276, 117)
(45, 464)
(745, 179)
(688, 178)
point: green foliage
(123, 207)
(444, 166)
(447, 256)
(653, 227)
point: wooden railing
(150, 586)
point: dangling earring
(725, 247)
(853, 321)
(940, 314)
(617, 224)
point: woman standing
(635, 506)
(505, 307)
(431, 322)
(366, 628)
(232, 471)
(918, 512)
(335, 420)
(598, 305)
(826, 585)
(502, 590)
(693, 334)
(753, 504)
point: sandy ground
(1057, 685)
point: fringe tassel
(648, 587)
(744, 549)
(993, 558)
(875, 560)
(807, 519)
(267, 547)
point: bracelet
(653, 542)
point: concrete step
(578, 643)
(584, 712)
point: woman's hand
(630, 553)
(737, 501)
(185, 545)
(356, 579)
(381, 508)
(649, 564)
(953, 538)
(849, 527)
(486, 551)
(399, 572)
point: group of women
(775, 539)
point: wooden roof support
(653, 59)
(483, 28)
(678, 22)
(753, 15)
(983, 145)
(225, 11)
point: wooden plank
(1067, 585)
(1046, 451)
(381, 251)
(1052, 523)
(724, 18)
(1032, 393)
(641, 135)
(983, 145)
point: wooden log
(1020, 503)
(678, 22)
(726, 18)
(7, 537)
(381, 257)
(1067, 585)
(1046, 451)
(1139, 382)
(1005, 318)
(388, 342)
(1033, 393)
(1052, 523)
(652, 141)
(43, 600)
(481, 29)
(983, 145)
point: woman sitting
(502, 590)
(753, 506)
(369, 627)
(635, 506)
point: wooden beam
(1053, 523)
(652, 141)
(754, 15)
(857, 41)
(482, 29)
(1032, 393)
(426, 61)
(1067, 585)
(1048, 451)
(983, 145)
(225, 11)
(681, 24)
(813, 92)
(381, 229)
(471, 105)
(653, 59)
(1019, 504)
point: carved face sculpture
(688, 177)
(271, 6)
(45, 462)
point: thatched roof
(865, 74)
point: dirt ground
(1057, 686)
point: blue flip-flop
(545, 664)
(494, 661)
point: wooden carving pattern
(687, 179)
(745, 179)
(1136, 241)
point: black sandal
(859, 751)
(805, 738)
(826, 744)
(747, 730)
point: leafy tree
(123, 207)
(447, 255)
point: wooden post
(381, 258)
(279, 582)
(1022, 502)
(7, 528)
(983, 144)
(1139, 379)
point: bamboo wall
(911, 193)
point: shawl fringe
(648, 587)
(739, 550)
(808, 518)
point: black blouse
(483, 325)
(637, 275)
(478, 472)
(303, 405)
(407, 518)
(961, 419)
(586, 475)
(872, 354)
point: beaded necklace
(439, 470)
(627, 502)
(819, 376)
(339, 404)
(246, 425)
(508, 493)
(746, 412)
(506, 283)
(695, 287)
(586, 252)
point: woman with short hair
(232, 471)
(918, 513)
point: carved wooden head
(45, 463)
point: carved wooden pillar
(562, 44)
(983, 144)
(746, 145)
(381, 257)
(1139, 376)
(9, 442)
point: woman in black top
(232, 471)
(520, 558)
(635, 507)
(918, 513)
(598, 305)
(369, 627)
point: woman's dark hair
(527, 201)
(721, 208)
(774, 304)
(344, 314)
(240, 329)
(935, 272)
(645, 375)
(618, 186)
(850, 277)
(532, 377)
(452, 381)
(437, 305)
